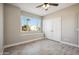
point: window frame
(30, 31)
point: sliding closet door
(69, 34)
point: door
(56, 29)
(52, 28)
(69, 29)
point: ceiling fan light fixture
(43, 6)
(46, 6)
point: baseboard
(1, 52)
(67, 43)
(6, 46)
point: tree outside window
(30, 24)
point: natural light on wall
(30, 24)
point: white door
(69, 29)
(56, 28)
(52, 28)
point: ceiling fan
(46, 5)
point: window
(30, 24)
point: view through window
(30, 24)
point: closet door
(52, 28)
(69, 33)
(56, 28)
(47, 26)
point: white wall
(68, 24)
(13, 32)
(1, 28)
(78, 28)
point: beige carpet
(42, 47)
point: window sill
(31, 33)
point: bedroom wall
(1, 28)
(68, 24)
(13, 32)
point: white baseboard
(67, 43)
(1, 51)
(6, 46)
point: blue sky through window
(32, 21)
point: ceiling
(31, 7)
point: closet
(69, 29)
(62, 28)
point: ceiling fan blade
(39, 6)
(53, 4)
